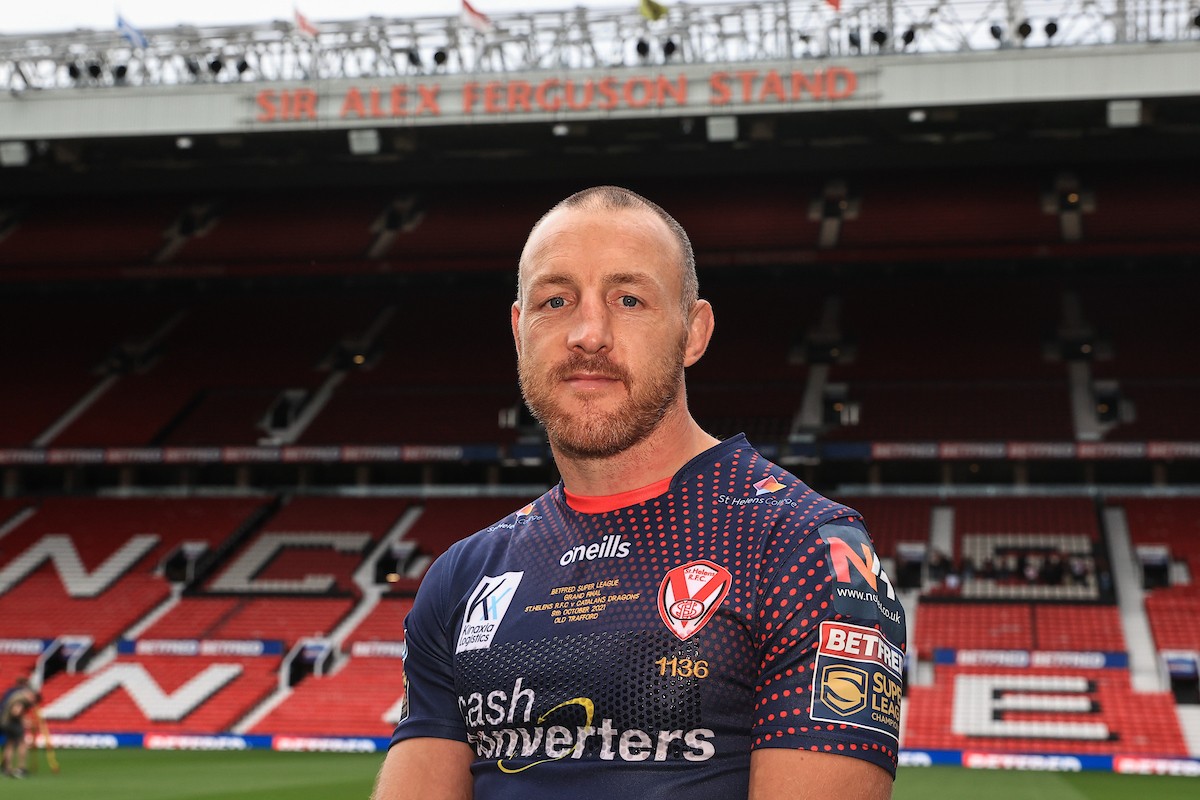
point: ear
(700, 331)
(516, 324)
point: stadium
(254, 293)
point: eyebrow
(636, 279)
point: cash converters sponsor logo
(611, 546)
(522, 517)
(857, 679)
(486, 607)
(690, 594)
(567, 730)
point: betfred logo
(861, 644)
(690, 594)
(767, 485)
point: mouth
(587, 381)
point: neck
(677, 440)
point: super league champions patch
(861, 589)
(857, 679)
(690, 594)
(486, 607)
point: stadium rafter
(579, 38)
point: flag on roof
(651, 10)
(303, 25)
(476, 19)
(136, 38)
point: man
(679, 617)
(14, 709)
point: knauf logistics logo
(486, 607)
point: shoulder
(485, 544)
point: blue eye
(629, 301)
(556, 302)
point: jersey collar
(585, 504)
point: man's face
(600, 330)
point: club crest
(690, 594)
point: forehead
(574, 239)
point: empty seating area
(1174, 523)
(443, 521)
(284, 618)
(176, 694)
(969, 365)
(1018, 626)
(971, 411)
(219, 369)
(893, 519)
(360, 699)
(89, 566)
(57, 350)
(1041, 711)
(312, 545)
(385, 623)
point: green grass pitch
(261, 774)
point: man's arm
(778, 774)
(426, 769)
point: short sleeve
(430, 703)
(831, 641)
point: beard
(592, 433)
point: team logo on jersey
(767, 485)
(690, 594)
(526, 511)
(486, 607)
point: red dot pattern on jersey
(780, 592)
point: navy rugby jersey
(648, 649)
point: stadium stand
(91, 566)
(319, 339)
(220, 370)
(1091, 711)
(385, 623)
(161, 693)
(1174, 608)
(361, 699)
(67, 347)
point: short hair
(616, 198)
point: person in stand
(679, 617)
(15, 715)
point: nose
(591, 329)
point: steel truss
(577, 39)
